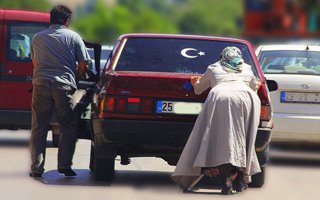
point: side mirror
(272, 85)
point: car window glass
(290, 62)
(19, 39)
(104, 56)
(174, 55)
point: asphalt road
(144, 179)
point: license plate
(174, 107)
(300, 97)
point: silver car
(296, 103)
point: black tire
(103, 169)
(55, 137)
(258, 179)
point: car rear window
(290, 62)
(174, 55)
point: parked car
(296, 104)
(147, 106)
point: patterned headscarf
(231, 58)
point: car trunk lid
(156, 84)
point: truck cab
(17, 28)
(16, 31)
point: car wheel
(103, 169)
(55, 137)
(258, 179)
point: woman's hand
(194, 79)
(258, 82)
(255, 84)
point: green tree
(211, 17)
(104, 24)
(36, 5)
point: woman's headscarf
(231, 58)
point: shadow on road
(122, 177)
(13, 143)
(298, 162)
(301, 155)
(136, 179)
(19, 143)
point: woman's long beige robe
(225, 130)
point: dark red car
(147, 106)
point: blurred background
(256, 20)
(104, 20)
(259, 21)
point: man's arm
(82, 56)
(82, 68)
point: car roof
(288, 47)
(183, 36)
(24, 15)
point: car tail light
(134, 100)
(133, 105)
(265, 112)
(263, 94)
(123, 104)
(107, 104)
(146, 105)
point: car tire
(103, 169)
(257, 180)
(55, 137)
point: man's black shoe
(35, 174)
(67, 172)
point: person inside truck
(55, 53)
(223, 137)
(20, 44)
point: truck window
(19, 39)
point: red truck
(17, 28)
(16, 31)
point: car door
(82, 97)
(16, 67)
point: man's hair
(60, 14)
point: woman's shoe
(227, 187)
(239, 183)
(240, 186)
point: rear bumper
(296, 128)
(15, 119)
(159, 133)
(155, 133)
